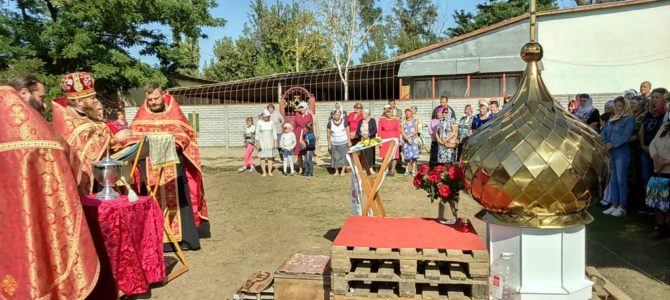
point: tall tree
(51, 38)
(374, 48)
(340, 23)
(493, 12)
(415, 20)
(276, 39)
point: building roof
(518, 19)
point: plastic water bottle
(504, 283)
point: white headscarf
(584, 112)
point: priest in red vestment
(47, 251)
(181, 188)
(87, 137)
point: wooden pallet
(429, 273)
(603, 288)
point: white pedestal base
(551, 262)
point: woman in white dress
(266, 141)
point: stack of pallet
(409, 272)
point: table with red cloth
(129, 241)
(359, 231)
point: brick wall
(223, 125)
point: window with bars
(423, 89)
(487, 85)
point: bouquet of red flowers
(440, 183)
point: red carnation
(444, 191)
(455, 173)
(417, 181)
(439, 169)
(434, 177)
(423, 169)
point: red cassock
(47, 251)
(87, 140)
(173, 121)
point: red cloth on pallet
(424, 233)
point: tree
(375, 45)
(340, 23)
(493, 12)
(52, 38)
(415, 19)
(276, 39)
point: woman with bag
(447, 139)
(658, 188)
(367, 129)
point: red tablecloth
(423, 233)
(132, 235)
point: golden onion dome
(534, 164)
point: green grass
(622, 242)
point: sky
(235, 12)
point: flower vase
(447, 212)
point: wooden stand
(166, 223)
(370, 183)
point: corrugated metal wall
(223, 125)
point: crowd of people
(634, 127)
(50, 169)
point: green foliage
(493, 12)
(414, 21)
(50, 38)
(375, 46)
(276, 39)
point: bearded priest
(47, 251)
(181, 189)
(87, 137)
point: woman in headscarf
(266, 142)
(658, 189)
(588, 114)
(609, 107)
(302, 117)
(616, 135)
(367, 129)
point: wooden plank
(361, 289)
(455, 292)
(407, 289)
(432, 271)
(362, 269)
(386, 291)
(478, 270)
(457, 271)
(386, 269)
(408, 268)
(430, 292)
(340, 265)
(339, 284)
(430, 253)
(457, 254)
(480, 291)
(614, 292)
(361, 250)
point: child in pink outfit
(250, 145)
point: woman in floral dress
(447, 130)
(410, 150)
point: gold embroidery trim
(8, 285)
(31, 144)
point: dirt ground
(257, 222)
